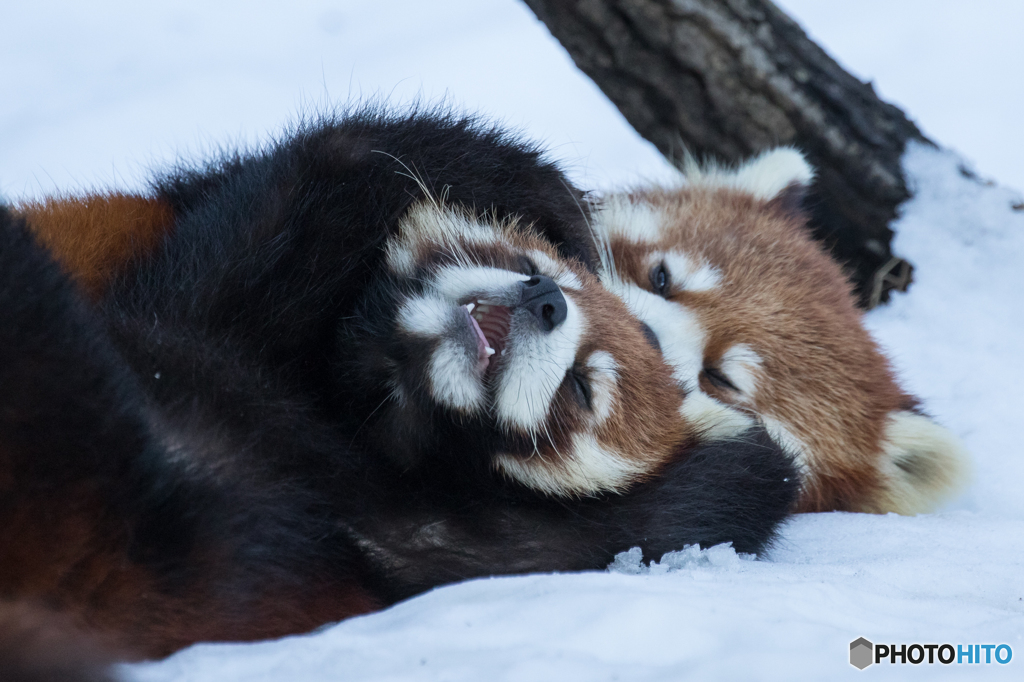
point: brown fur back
(94, 236)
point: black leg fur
(424, 530)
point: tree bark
(728, 78)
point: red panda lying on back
(312, 389)
(760, 324)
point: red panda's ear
(790, 201)
(781, 176)
(774, 173)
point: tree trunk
(728, 78)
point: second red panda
(760, 324)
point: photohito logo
(863, 653)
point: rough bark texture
(728, 78)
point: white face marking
(534, 363)
(682, 339)
(457, 282)
(795, 447)
(563, 276)
(453, 382)
(401, 258)
(567, 279)
(535, 368)
(713, 420)
(427, 223)
(588, 469)
(452, 370)
(741, 365)
(425, 315)
(687, 274)
(604, 378)
(636, 223)
(679, 332)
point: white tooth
(503, 350)
(469, 306)
(490, 351)
(483, 309)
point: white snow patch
(690, 557)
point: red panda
(367, 360)
(760, 325)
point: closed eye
(652, 338)
(581, 388)
(718, 379)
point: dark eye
(661, 281)
(719, 380)
(527, 266)
(581, 386)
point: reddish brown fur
(646, 394)
(784, 297)
(93, 236)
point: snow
(96, 94)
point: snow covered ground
(94, 95)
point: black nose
(542, 297)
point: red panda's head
(490, 339)
(759, 322)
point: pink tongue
(481, 342)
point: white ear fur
(764, 176)
(922, 464)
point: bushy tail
(921, 465)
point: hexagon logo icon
(862, 653)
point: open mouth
(490, 323)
